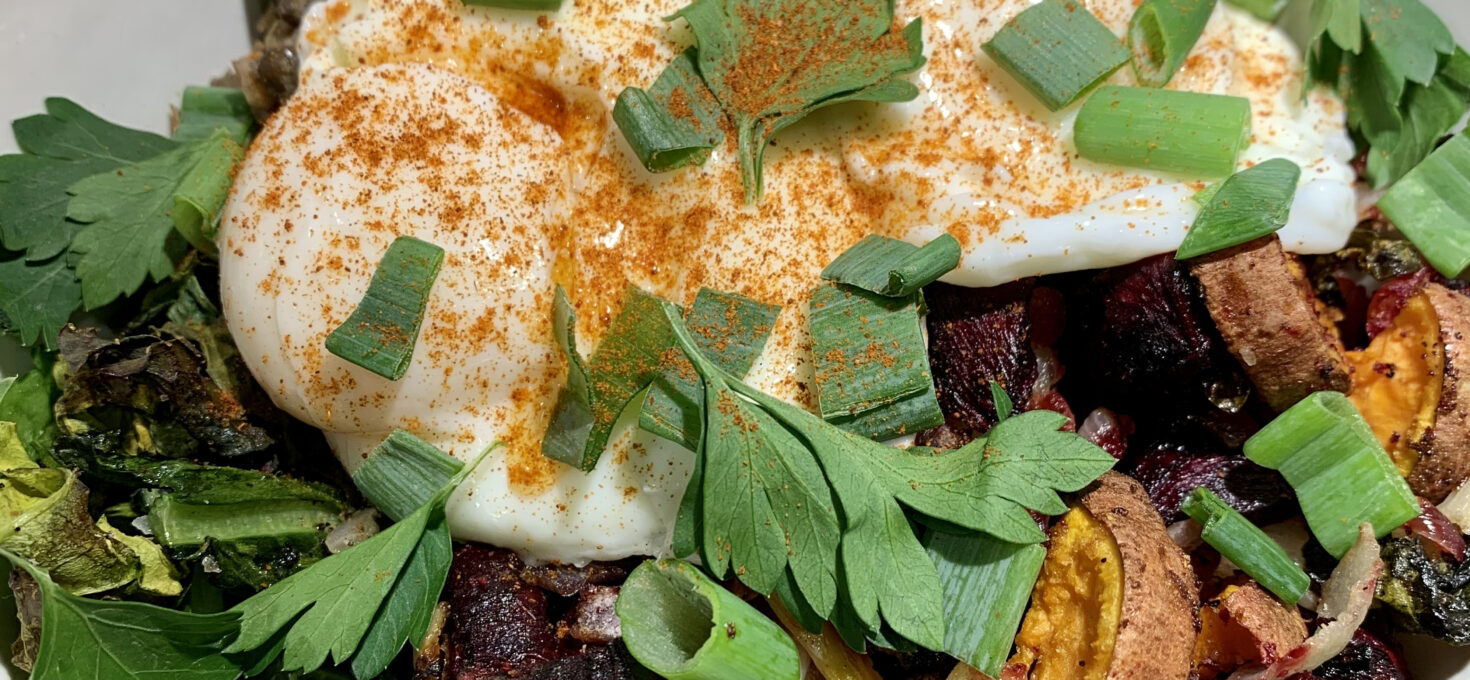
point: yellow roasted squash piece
(1069, 630)
(1397, 380)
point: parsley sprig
(1405, 82)
(761, 66)
(91, 210)
(784, 492)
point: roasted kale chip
(1425, 594)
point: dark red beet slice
(1169, 474)
(978, 336)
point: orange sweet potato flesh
(1410, 385)
(1263, 304)
(1245, 624)
(1116, 599)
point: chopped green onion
(201, 193)
(1244, 544)
(528, 5)
(206, 109)
(1431, 205)
(402, 473)
(629, 357)
(1342, 477)
(1057, 50)
(1265, 10)
(987, 583)
(181, 525)
(1161, 35)
(1250, 204)
(381, 333)
(894, 268)
(673, 124)
(682, 625)
(730, 330)
(869, 353)
(1164, 130)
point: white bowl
(126, 61)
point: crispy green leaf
(1250, 204)
(626, 361)
(894, 268)
(1057, 50)
(206, 109)
(673, 124)
(1431, 205)
(129, 219)
(27, 402)
(769, 64)
(381, 332)
(157, 576)
(870, 354)
(48, 524)
(84, 638)
(731, 330)
(1161, 34)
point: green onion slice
(1164, 130)
(683, 626)
(1342, 477)
(730, 330)
(673, 124)
(206, 109)
(1243, 543)
(1250, 204)
(987, 583)
(1431, 205)
(894, 268)
(1057, 50)
(1265, 10)
(870, 353)
(402, 473)
(380, 334)
(1161, 34)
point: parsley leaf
(769, 64)
(38, 297)
(346, 605)
(83, 638)
(132, 213)
(765, 508)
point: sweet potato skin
(1263, 305)
(1160, 596)
(1245, 624)
(1444, 447)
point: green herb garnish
(987, 583)
(1161, 34)
(1057, 50)
(206, 109)
(1250, 204)
(1340, 473)
(1164, 130)
(335, 608)
(894, 268)
(1431, 205)
(86, 638)
(869, 354)
(767, 65)
(1244, 544)
(680, 624)
(766, 506)
(1399, 72)
(381, 332)
(1265, 10)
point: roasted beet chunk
(1366, 658)
(978, 336)
(1169, 473)
(1139, 340)
(500, 626)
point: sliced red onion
(1107, 430)
(1186, 534)
(1433, 526)
(1346, 597)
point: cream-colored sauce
(974, 155)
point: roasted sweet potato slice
(1262, 302)
(1116, 599)
(1245, 624)
(1410, 384)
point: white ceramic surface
(128, 61)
